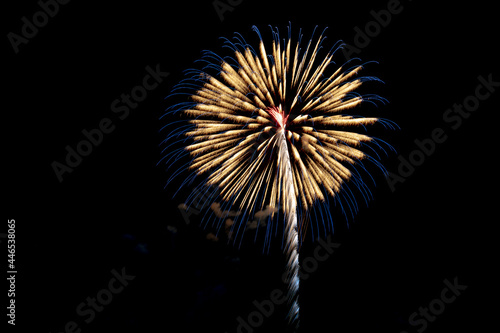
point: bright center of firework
(279, 116)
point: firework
(270, 130)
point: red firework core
(279, 116)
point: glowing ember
(279, 115)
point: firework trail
(291, 233)
(270, 130)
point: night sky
(109, 229)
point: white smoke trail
(289, 201)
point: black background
(112, 211)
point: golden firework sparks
(272, 129)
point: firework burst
(271, 129)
